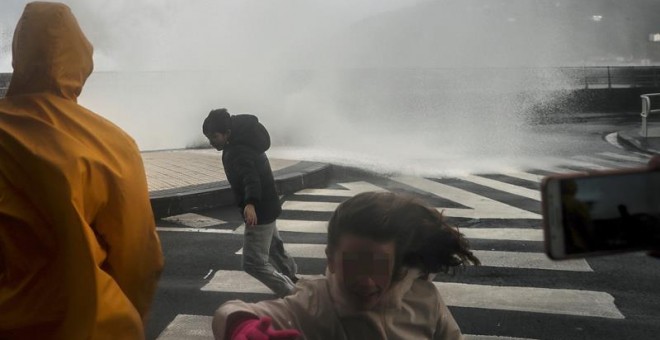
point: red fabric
(261, 329)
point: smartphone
(601, 213)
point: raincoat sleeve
(127, 230)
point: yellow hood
(50, 52)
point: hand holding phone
(602, 212)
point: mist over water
(425, 87)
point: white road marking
(630, 158)
(608, 163)
(188, 327)
(526, 176)
(235, 281)
(515, 234)
(529, 299)
(310, 206)
(508, 259)
(583, 164)
(502, 186)
(482, 207)
(296, 226)
(352, 189)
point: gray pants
(266, 260)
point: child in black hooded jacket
(243, 141)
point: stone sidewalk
(189, 180)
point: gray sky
(180, 34)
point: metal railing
(646, 110)
(608, 77)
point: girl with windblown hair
(383, 249)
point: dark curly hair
(423, 239)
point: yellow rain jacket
(79, 253)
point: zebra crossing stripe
(310, 206)
(198, 327)
(605, 162)
(353, 188)
(482, 207)
(584, 164)
(557, 169)
(489, 258)
(235, 281)
(188, 327)
(510, 188)
(526, 176)
(513, 234)
(524, 299)
(631, 158)
(529, 299)
(297, 226)
(507, 259)
(326, 192)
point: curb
(629, 138)
(219, 194)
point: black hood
(246, 130)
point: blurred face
(363, 268)
(218, 140)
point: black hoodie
(248, 169)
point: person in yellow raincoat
(79, 253)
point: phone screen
(602, 213)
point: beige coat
(412, 309)
(79, 253)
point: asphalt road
(517, 293)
